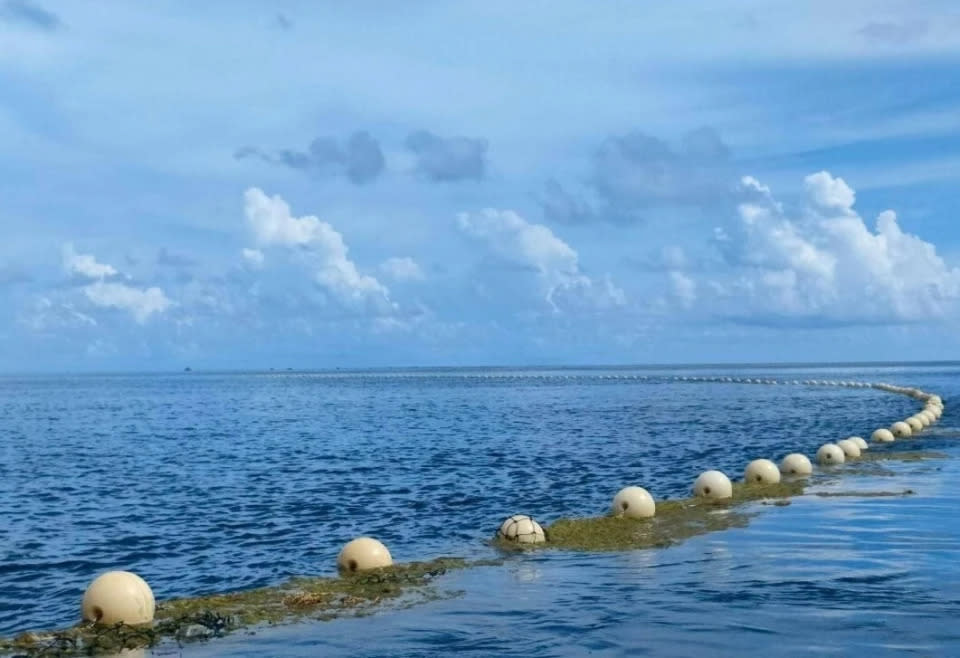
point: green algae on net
(675, 521)
(204, 617)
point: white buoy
(363, 553)
(118, 596)
(830, 454)
(522, 529)
(850, 448)
(863, 445)
(901, 430)
(633, 503)
(796, 464)
(883, 435)
(927, 416)
(915, 425)
(712, 484)
(761, 471)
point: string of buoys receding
(124, 597)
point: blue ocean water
(217, 482)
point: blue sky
(321, 184)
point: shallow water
(213, 482)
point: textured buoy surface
(883, 435)
(521, 529)
(633, 503)
(712, 484)
(118, 596)
(761, 471)
(796, 464)
(861, 443)
(915, 424)
(850, 448)
(829, 454)
(363, 553)
(901, 430)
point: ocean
(216, 482)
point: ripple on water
(205, 483)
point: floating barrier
(633, 503)
(120, 612)
(363, 554)
(830, 454)
(761, 471)
(714, 485)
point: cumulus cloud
(359, 159)
(822, 263)
(535, 248)
(29, 14)
(141, 303)
(445, 159)
(402, 269)
(85, 265)
(635, 172)
(273, 224)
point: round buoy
(863, 445)
(363, 553)
(830, 454)
(796, 464)
(915, 425)
(633, 503)
(850, 448)
(901, 430)
(521, 529)
(712, 484)
(118, 596)
(761, 471)
(883, 435)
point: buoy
(915, 425)
(829, 454)
(118, 596)
(901, 430)
(882, 435)
(521, 529)
(761, 471)
(927, 416)
(850, 448)
(363, 553)
(796, 464)
(863, 445)
(633, 503)
(712, 484)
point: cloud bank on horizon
(601, 202)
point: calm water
(213, 482)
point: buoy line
(124, 602)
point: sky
(251, 184)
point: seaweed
(204, 617)
(675, 520)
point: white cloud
(535, 247)
(828, 192)
(253, 257)
(274, 225)
(824, 263)
(684, 288)
(85, 265)
(142, 303)
(402, 269)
